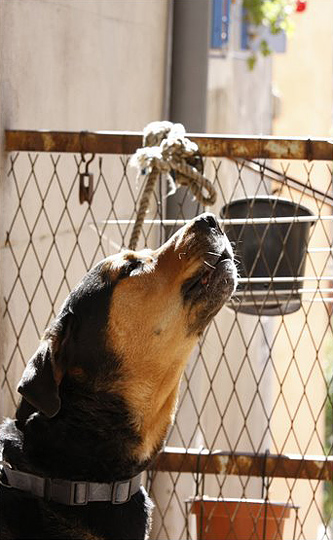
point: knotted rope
(167, 150)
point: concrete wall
(69, 65)
(73, 65)
(303, 77)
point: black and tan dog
(100, 392)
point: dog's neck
(120, 429)
(94, 428)
(151, 394)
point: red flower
(300, 6)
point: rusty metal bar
(112, 142)
(73, 142)
(244, 464)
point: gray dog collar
(71, 493)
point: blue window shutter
(220, 23)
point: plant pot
(269, 250)
(239, 519)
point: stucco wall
(303, 77)
(69, 64)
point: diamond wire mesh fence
(255, 402)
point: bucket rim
(240, 500)
(266, 198)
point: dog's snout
(205, 222)
(226, 255)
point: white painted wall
(82, 64)
(71, 65)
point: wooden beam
(244, 464)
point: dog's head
(132, 321)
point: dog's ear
(38, 385)
(40, 381)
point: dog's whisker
(210, 265)
(213, 253)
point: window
(220, 24)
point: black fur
(33, 518)
(90, 438)
(72, 422)
(81, 448)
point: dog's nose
(207, 221)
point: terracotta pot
(239, 519)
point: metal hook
(89, 160)
(86, 189)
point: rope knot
(167, 150)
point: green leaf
(264, 48)
(275, 14)
(251, 61)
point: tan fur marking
(152, 342)
(149, 330)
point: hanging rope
(167, 150)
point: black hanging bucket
(268, 250)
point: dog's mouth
(212, 273)
(210, 287)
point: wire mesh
(254, 384)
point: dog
(99, 394)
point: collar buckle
(73, 493)
(79, 493)
(121, 492)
